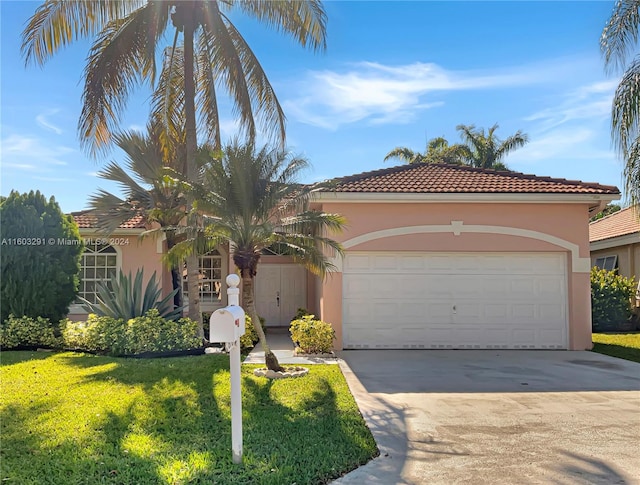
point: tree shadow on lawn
(29, 457)
(10, 357)
(180, 430)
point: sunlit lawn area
(622, 345)
(79, 419)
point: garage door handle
(278, 299)
(454, 308)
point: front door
(280, 290)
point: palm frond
(305, 21)
(404, 154)
(57, 23)
(625, 111)
(122, 56)
(620, 35)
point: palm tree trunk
(249, 304)
(176, 276)
(193, 272)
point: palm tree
(438, 151)
(129, 33)
(250, 200)
(486, 150)
(146, 192)
(618, 43)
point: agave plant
(123, 297)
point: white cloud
(42, 120)
(590, 103)
(24, 152)
(380, 93)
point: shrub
(39, 257)
(28, 332)
(311, 335)
(152, 333)
(97, 334)
(147, 333)
(301, 312)
(123, 297)
(250, 337)
(610, 299)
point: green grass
(70, 418)
(622, 345)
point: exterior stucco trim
(578, 264)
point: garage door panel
(451, 300)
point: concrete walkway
(279, 340)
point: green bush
(301, 312)
(311, 335)
(97, 334)
(610, 299)
(28, 332)
(152, 333)
(148, 333)
(250, 337)
(39, 257)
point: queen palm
(250, 199)
(618, 43)
(128, 34)
(438, 151)
(486, 150)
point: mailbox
(227, 324)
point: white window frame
(94, 249)
(211, 270)
(607, 262)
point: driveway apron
(494, 416)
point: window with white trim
(210, 278)
(607, 262)
(99, 262)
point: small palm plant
(123, 297)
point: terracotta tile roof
(620, 223)
(86, 220)
(443, 178)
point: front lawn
(622, 345)
(70, 418)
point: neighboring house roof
(86, 220)
(457, 179)
(621, 223)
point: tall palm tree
(438, 151)
(486, 150)
(618, 43)
(128, 34)
(251, 200)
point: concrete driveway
(487, 416)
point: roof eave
(615, 241)
(595, 200)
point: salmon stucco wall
(133, 253)
(499, 227)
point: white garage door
(454, 300)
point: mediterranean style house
(436, 256)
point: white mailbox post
(227, 325)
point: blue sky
(394, 74)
